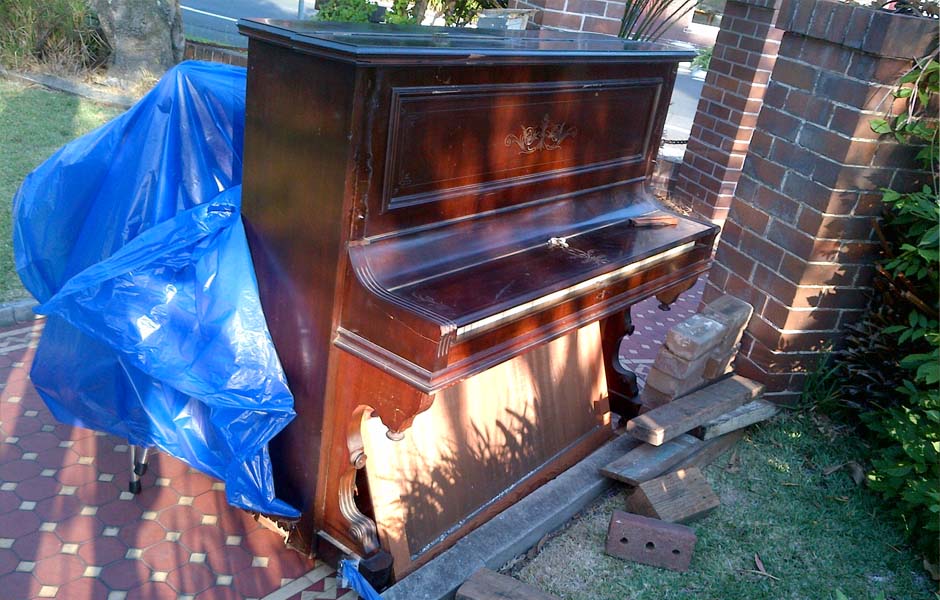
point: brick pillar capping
(743, 59)
(798, 243)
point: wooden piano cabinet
(444, 226)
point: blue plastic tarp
(131, 240)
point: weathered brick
(734, 314)
(650, 541)
(835, 227)
(791, 238)
(694, 337)
(737, 262)
(749, 217)
(674, 386)
(795, 74)
(762, 251)
(651, 398)
(679, 368)
(601, 25)
(804, 272)
(586, 7)
(719, 363)
(778, 123)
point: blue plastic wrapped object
(131, 239)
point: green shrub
(900, 407)
(703, 58)
(350, 11)
(58, 34)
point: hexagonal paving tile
(191, 578)
(59, 569)
(19, 470)
(77, 474)
(142, 534)
(124, 574)
(203, 538)
(83, 588)
(19, 585)
(165, 556)
(18, 523)
(152, 591)
(177, 518)
(102, 551)
(38, 488)
(79, 529)
(58, 508)
(37, 546)
(39, 442)
(120, 512)
(157, 498)
(229, 560)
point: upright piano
(448, 228)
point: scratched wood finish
(684, 414)
(678, 497)
(494, 430)
(355, 268)
(646, 462)
(489, 585)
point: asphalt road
(214, 20)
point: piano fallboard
(434, 306)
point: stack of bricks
(743, 58)
(799, 243)
(696, 351)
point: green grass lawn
(34, 122)
(814, 532)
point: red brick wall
(799, 243)
(744, 56)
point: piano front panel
(451, 142)
(485, 435)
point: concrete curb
(17, 312)
(70, 87)
(514, 530)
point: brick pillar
(597, 16)
(740, 68)
(798, 243)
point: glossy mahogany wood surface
(401, 185)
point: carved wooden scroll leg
(671, 294)
(376, 563)
(621, 382)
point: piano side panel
(483, 436)
(295, 171)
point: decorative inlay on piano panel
(450, 143)
(547, 136)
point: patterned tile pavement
(70, 529)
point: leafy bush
(59, 34)
(900, 407)
(703, 58)
(349, 11)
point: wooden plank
(707, 452)
(743, 416)
(646, 462)
(684, 414)
(489, 585)
(677, 497)
(650, 541)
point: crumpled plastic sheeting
(131, 239)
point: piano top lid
(374, 43)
